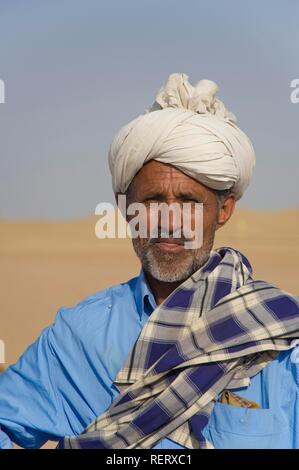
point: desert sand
(46, 265)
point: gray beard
(165, 267)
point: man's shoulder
(96, 305)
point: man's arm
(64, 379)
(29, 403)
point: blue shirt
(64, 380)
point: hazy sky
(75, 71)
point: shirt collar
(144, 296)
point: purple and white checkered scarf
(213, 332)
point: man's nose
(172, 217)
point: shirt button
(244, 420)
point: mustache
(169, 235)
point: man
(192, 352)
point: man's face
(162, 258)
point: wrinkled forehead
(156, 178)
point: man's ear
(226, 210)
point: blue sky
(75, 71)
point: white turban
(190, 129)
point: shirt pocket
(234, 427)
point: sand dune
(45, 265)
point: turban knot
(190, 128)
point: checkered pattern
(213, 332)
